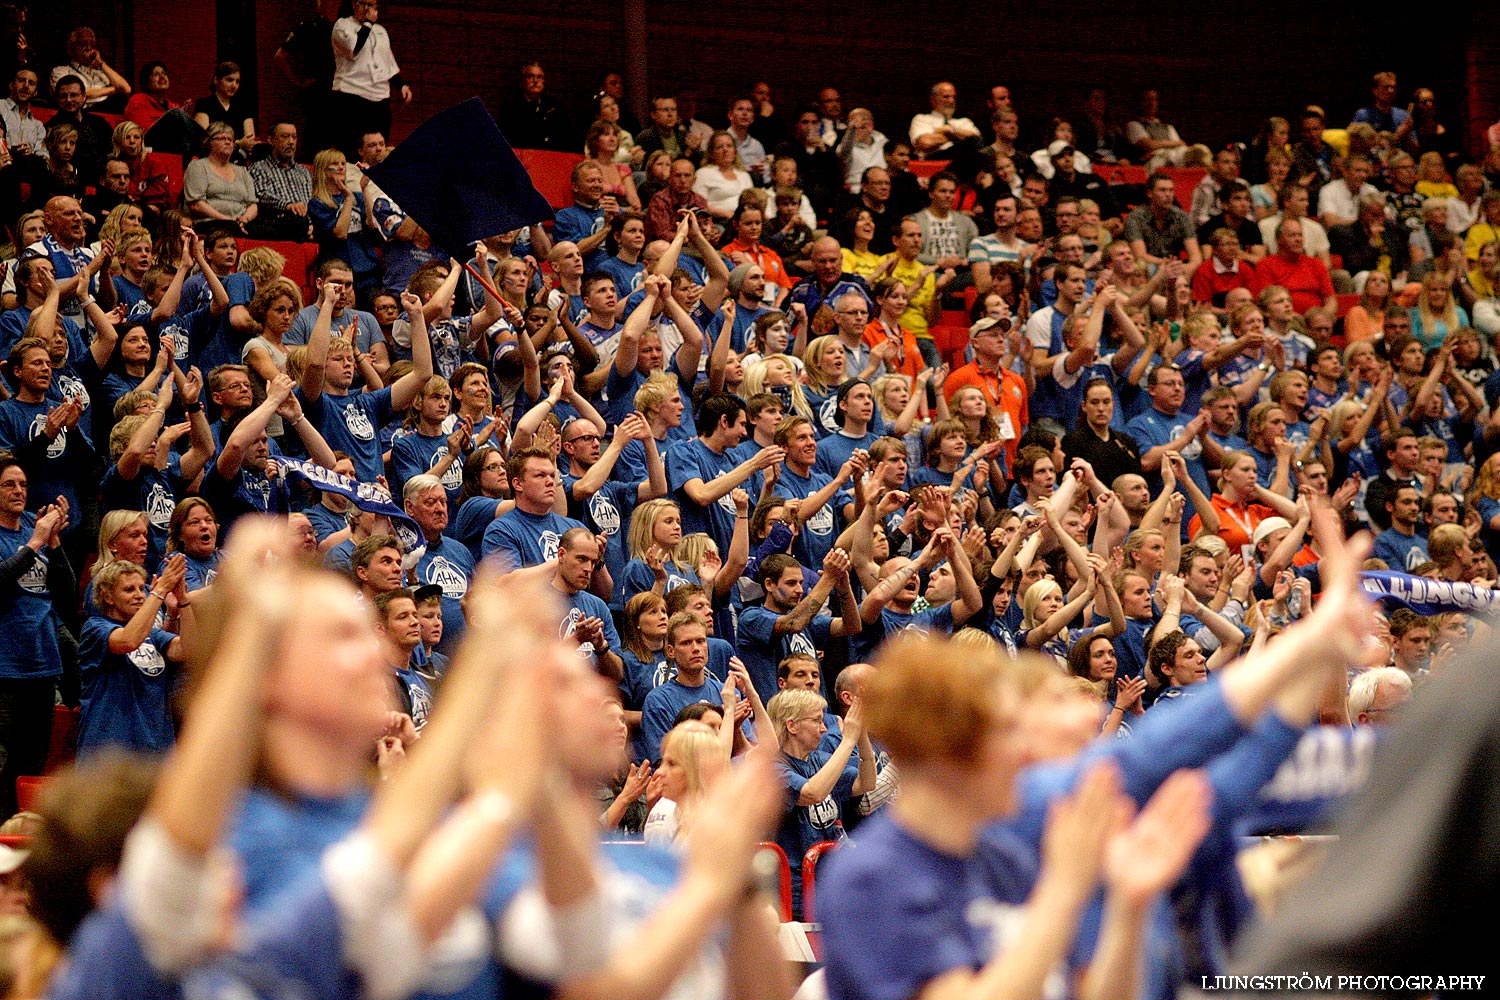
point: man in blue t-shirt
(355, 325)
(702, 474)
(531, 532)
(1402, 546)
(446, 562)
(1164, 427)
(687, 651)
(788, 621)
(350, 422)
(580, 567)
(586, 221)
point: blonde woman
(264, 265)
(655, 563)
(693, 757)
(148, 182)
(342, 223)
(718, 573)
(777, 372)
(124, 536)
(1436, 315)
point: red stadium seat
(28, 790)
(810, 876)
(926, 168)
(1114, 173)
(552, 173)
(300, 258)
(1186, 179)
(64, 745)
(951, 342)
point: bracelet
(294, 423)
(159, 597)
(192, 407)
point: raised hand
(1149, 855)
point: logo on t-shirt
(821, 523)
(569, 626)
(454, 477)
(147, 659)
(59, 444)
(604, 513)
(72, 387)
(34, 580)
(549, 542)
(828, 415)
(452, 578)
(360, 428)
(800, 643)
(726, 504)
(159, 506)
(825, 816)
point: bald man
(829, 283)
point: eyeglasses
(585, 437)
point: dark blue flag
(460, 180)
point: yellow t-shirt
(915, 317)
(1480, 233)
(861, 262)
(1436, 189)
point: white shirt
(859, 158)
(932, 121)
(368, 74)
(1337, 199)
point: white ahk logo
(147, 659)
(452, 578)
(605, 514)
(159, 506)
(359, 424)
(454, 477)
(59, 444)
(569, 625)
(821, 523)
(34, 580)
(800, 643)
(549, 543)
(828, 415)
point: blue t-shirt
(836, 449)
(468, 525)
(804, 826)
(763, 650)
(153, 491)
(59, 468)
(415, 453)
(664, 702)
(695, 460)
(351, 424)
(820, 531)
(897, 913)
(125, 695)
(1403, 553)
(325, 521)
(607, 512)
(27, 618)
(636, 578)
(1154, 428)
(447, 564)
(526, 539)
(358, 325)
(627, 275)
(576, 223)
(581, 605)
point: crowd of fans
(680, 517)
